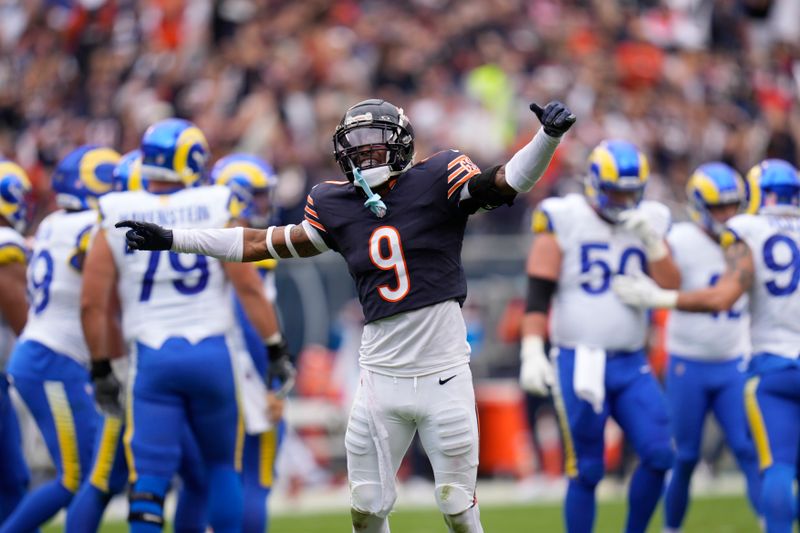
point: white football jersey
(54, 283)
(166, 294)
(12, 250)
(774, 242)
(706, 336)
(585, 311)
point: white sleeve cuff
(224, 244)
(314, 236)
(525, 168)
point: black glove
(107, 389)
(556, 118)
(280, 367)
(146, 236)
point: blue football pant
(109, 476)
(693, 389)
(260, 453)
(13, 470)
(176, 385)
(635, 401)
(258, 471)
(57, 392)
(772, 402)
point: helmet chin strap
(374, 202)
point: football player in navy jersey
(399, 223)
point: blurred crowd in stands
(689, 80)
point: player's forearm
(244, 244)
(279, 242)
(13, 302)
(527, 166)
(250, 291)
(534, 325)
(95, 324)
(710, 300)
(665, 273)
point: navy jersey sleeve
(460, 169)
(315, 215)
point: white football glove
(641, 291)
(536, 372)
(636, 221)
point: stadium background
(688, 80)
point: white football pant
(386, 413)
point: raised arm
(229, 244)
(527, 166)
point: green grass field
(707, 515)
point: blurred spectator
(690, 80)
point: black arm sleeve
(540, 292)
(483, 193)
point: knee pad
(147, 500)
(659, 457)
(367, 498)
(453, 498)
(590, 472)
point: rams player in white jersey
(14, 186)
(50, 366)
(706, 352)
(176, 313)
(598, 341)
(762, 252)
(109, 473)
(252, 181)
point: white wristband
(287, 238)
(270, 246)
(223, 244)
(525, 167)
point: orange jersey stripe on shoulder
(311, 212)
(316, 224)
(345, 182)
(309, 199)
(462, 181)
(457, 160)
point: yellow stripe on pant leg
(268, 448)
(101, 472)
(570, 459)
(237, 458)
(65, 430)
(756, 422)
(127, 438)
